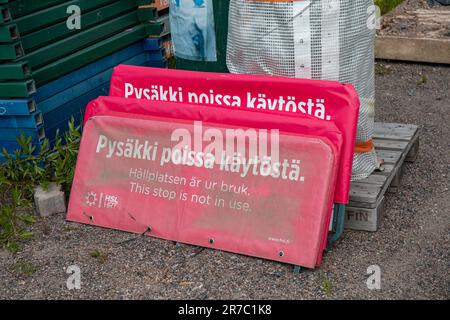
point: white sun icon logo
(91, 199)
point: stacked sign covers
(54, 60)
(195, 158)
(299, 98)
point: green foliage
(327, 286)
(100, 255)
(63, 158)
(387, 5)
(423, 80)
(26, 169)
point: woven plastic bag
(192, 25)
(315, 39)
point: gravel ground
(412, 247)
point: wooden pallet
(395, 144)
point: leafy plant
(63, 157)
(24, 170)
(423, 80)
(15, 216)
(387, 5)
(327, 286)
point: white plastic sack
(316, 39)
(192, 28)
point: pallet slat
(362, 192)
(389, 156)
(391, 145)
(364, 219)
(394, 131)
(394, 143)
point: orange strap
(363, 147)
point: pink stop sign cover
(329, 101)
(131, 177)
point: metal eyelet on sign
(211, 241)
(91, 218)
(281, 253)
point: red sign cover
(298, 98)
(131, 176)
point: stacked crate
(49, 70)
(158, 46)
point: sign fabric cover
(281, 218)
(296, 98)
